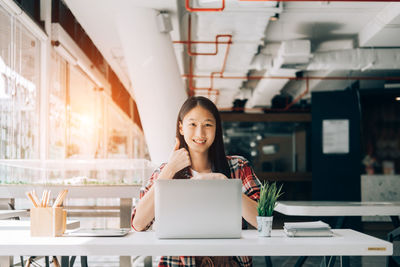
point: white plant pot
(264, 226)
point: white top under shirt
(194, 173)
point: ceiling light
(274, 18)
(164, 22)
(368, 66)
(398, 98)
(392, 85)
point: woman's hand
(178, 160)
(209, 176)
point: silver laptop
(198, 208)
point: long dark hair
(216, 152)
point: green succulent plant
(269, 194)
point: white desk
(6, 214)
(344, 242)
(26, 225)
(342, 209)
(338, 208)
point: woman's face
(198, 129)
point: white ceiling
(329, 26)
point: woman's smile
(200, 141)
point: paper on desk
(307, 225)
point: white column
(157, 84)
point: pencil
(28, 194)
(42, 200)
(60, 198)
(48, 198)
(64, 194)
(35, 197)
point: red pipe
(210, 90)
(229, 42)
(296, 78)
(190, 9)
(307, 79)
(209, 42)
(201, 42)
(297, 99)
(217, 37)
(221, 73)
(192, 89)
(274, 109)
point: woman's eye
(192, 124)
(209, 125)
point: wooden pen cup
(47, 221)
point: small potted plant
(269, 194)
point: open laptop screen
(198, 208)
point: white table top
(344, 242)
(338, 208)
(74, 191)
(6, 214)
(26, 224)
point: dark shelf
(269, 117)
(285, 176)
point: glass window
(5, 37)
(19, 90)
(269, 146)
(57, 107)
(119, 133)
(5, 81)
(83, 120)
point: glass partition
(19, 90)
(269, 146)
(82, 120)
(76, 172)
(57, 107)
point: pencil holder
(47, 221)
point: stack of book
(317, 228)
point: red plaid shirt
(240, 169)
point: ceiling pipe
(229, 36)
(298, 98)
(210, 91)
(298, 78)
(212, 75)
(356, 59)
(189, 42)
(192, 89)
(285, 109)
(191, 9)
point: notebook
(304, 229)
(198, 208)
(100, 232)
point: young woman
(199, 154)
